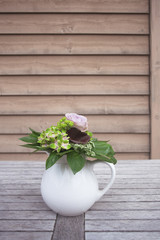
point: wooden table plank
(122, 225)
(101, 206)
(122, 235)
(26, 225)
(25, 235)
(71, 228)
(124, 198)
(122, 215)
(24, 206)
(44, 215)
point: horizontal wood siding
(83, 104)
(71, 6)
(74, 85)
(74, 23)
(89, 57)
(73, 65)
(73, 44)
(155, 79)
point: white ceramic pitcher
(69, 194)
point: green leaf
(34, 146)
(75, 161)
(104, 151)
(30, 146)
(105, 158)
(102, 147)
(114, 160)
(29, 139)
(52, 159)
(34, 132)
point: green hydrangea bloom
(56, 138)
(64, 124)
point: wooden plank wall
(155, 78)
(89, 57)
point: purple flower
(79, 121)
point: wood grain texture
(73, 44)
(42, 157)
(79, 65)
(71, 228)
(21, 199)
(74, 23)
(130, 209)
(128, 205)
(47, 105)
(120, 142)
(155, 75)
(114, 215)
(89, 57)
(123, 225)
(26, 207)
(100, 123)
(132, 156)
(74, 85)
(27, 225)
(30, 215)
(122, 235)
(71, 6)
(135, 198)
(25, 235)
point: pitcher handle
(113, 175)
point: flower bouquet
(70, 137)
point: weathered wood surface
(155, 76)
(21, 215)
(27, 225)
(72, 6)
(74, 44)
(130, 210)
(95, 50)
(74, 23)
(74, 85)
(25, 235)
(73, 230)
(38, 105)
(124, 225)
(123, 235)
(74, 65)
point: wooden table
(129, 211)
